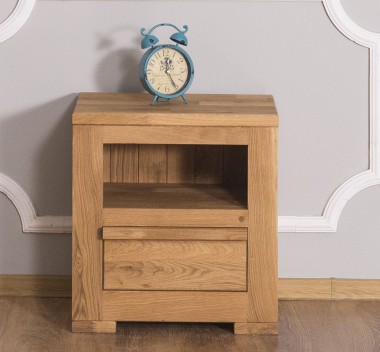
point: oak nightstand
(175, 211)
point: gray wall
(289, 49)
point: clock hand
(171, 78)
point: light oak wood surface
(116, 134)
(262, 231)
(123, 163)
(173, 233)
(224, 150)
(181, 164)
(355, 289)
(173, 196)
(185, 265)
(202, 110)
(175, 306)
(175, 217)
(313, 289)
(288, 289)
(87, 248)
(152, 164)
(101, 326)
(107, 163)
(255, 328)
(184, 164)
(174, 205)
(35, 285)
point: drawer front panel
(175, 265)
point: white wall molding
(16, 19)
(328, 222)
(29, 219)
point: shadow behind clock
(118, 71)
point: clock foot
(158, 99)
(184, 98)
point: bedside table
(175, 211)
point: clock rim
(143, 68)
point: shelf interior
(174, 196)
(139, 176)
(199, 164)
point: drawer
(175, 259)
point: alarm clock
(166, 71)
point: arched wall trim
(16, 19)
(328, 222)
(29, 219)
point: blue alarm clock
(166, 71)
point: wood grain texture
(124, 163)
(174, 196)
(175, 135)
(209, 164)
(262, 232)
(152, 163)
(202, 110)
(355, 289)
(87, 222)
(215, 164)
(172, 233)
(43, 324)
(235, 164)
(177, 143)
(35, 285)
(303, 289)
(175, 265)
(175, 217)
(288, 289)
(175, 306)
(181, 164)
(106, 163)
(101, 326)
(255, 328)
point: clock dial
(167, 71)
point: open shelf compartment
(175, 185)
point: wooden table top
(202, 110)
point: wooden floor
(42, 324)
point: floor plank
(43, 324)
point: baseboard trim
(329, 289)
(35, 285)
(304, 289)
(355, 289)
(288, 289)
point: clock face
(167, 71)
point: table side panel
(262, 231)
(87, 222)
